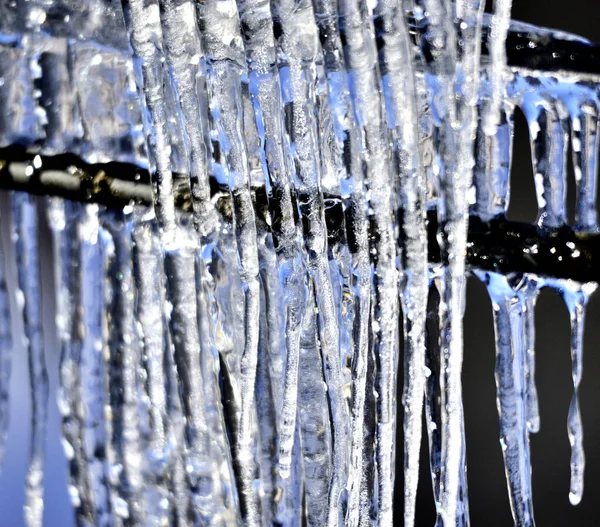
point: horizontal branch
(499, 245)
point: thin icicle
(530, 290)
(314, 422)
(5, 357)
(548, 136)
(63, 218)
(511, 347)
(185, 57)
(270, 363)
(25, 237)
(401, 103)
(361, 62)
(433, 409)
(585, 141)
(149, 313)
(91, 301)
(143, 25)
(456, 186)
(212, 328)
(432, 389)
(257, 30)
(222, 40)
(298, 43)
(124, 365)
(576, 297)
(500, 21)
(368, 483)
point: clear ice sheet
(237, 361)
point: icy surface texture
(234, 359)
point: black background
(550, 450)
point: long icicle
(149, 314)
(530, 290)
(401, 101)
(124, 365)
(314, 422)
(63, 218)
(354, 202)
(222, 39)
(497, 69)
(6, 345)
(361, 62)
(259, 40)
(92, 304)
(511, 365)
(458, 126)
(25, 236)
(299, 45)
(576, 298)
(145, 34)
(213, 327)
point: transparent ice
(229, 354)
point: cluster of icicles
(237, 363)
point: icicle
(511, 347)
(457, 127)
(530, 289)
(5, 357)
(221, 36)
(491, 177)
(585, 143)
(184, 54)
(433, 410)
(91, 302)
(333, 172)
(315, 426)
(497, 69)
(368, 484)
(143, 25)
(124, 365)
(270, 362)
(576, 297)
(181, 290)
(548, 135)
(361, 61)
(63, 218)
(149, 313)
(352, 191)
(257, 30)
(298, 43)
(25, 237)
(401, 103)
(362, 308)
(432, 390)
(212, 326)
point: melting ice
(229, 352)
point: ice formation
(230, 341)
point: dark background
(550, 449)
